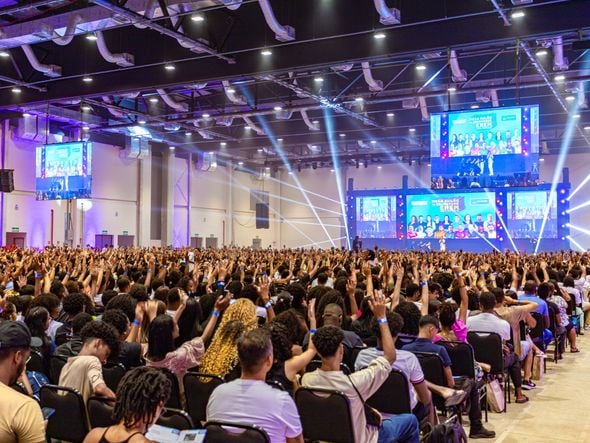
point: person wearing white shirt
(489, 321)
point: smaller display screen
(526, 210)
(63, 171)
(375, 217)
(469, 215)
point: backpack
(37, 381)
(449, 432)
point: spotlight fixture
(87, 79)
(85, 108)
(280, 140)
(379, 35)
(169, 67)
(570, 98)
(359, 99)
(266, 52)
(559, 78)
(16, 90)
(4, 54)
(85, 128)
(342, 134)
(230, 90)
(332, 170)
(373, 142)
(26, 114)
(420, 67)
(278, 108)
(451, 89)
(188, 134)
(517, 14)
(141, 122)
(541, 53)
(260, 150)
(586, 128)
(223, 144)
(206, 115)
(576, 116)
(379, 167)
(318, 79)
(91, 37)
(198, 18)
(474, 106)
(241, 163)
(153, 100)
(247, 128)
(171, 148)
(412, 129)
(390, 114)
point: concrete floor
(556, 411)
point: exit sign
(125, 232)
(104, 231)
(15, 229)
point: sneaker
(481, 433)
(528, 385)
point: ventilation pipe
(124, 60)
(224, 121)
(231, 94)
(131, 95)
(254, 127)
(283, 114)
(185, 43)
(582, 104)
(180, 107)
(150, 9)
(292, 76)
(202, 133)
(374, 85)
(282, 33)
(230, 4)
(312, 126)
(69, 33)
(48, 70)
(389, 16)
(458, 75)
(342, 68)
(560, 63)
(424, 109)
(114, 112)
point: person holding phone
(21, 419)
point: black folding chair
(463, 365)
(70, 420)
(56, 364)
(175, 418)
(112, 373)
(393, 396)
(537, 333)
(174, 399)
(559, 339)
(433, 369)
(325, 415)
(100, 412)
(197, 390)
(488, 348)
(350, 355)
(404, 339)
(239, 433)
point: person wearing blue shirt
(530, 294)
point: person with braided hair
(140, 398)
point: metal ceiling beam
(477, 30)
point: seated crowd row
(248, 319)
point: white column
(230, 203)
(144, 200)
(189, 203)
(168, 181)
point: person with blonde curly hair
(221, 358)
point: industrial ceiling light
(198, 18)
(85, 108)
(474, 106)
(420, 67)
(206, 115)
(586, 128)
(230, 90)
(541, 53)
(16, 90)
(412, 129)
(260, 150)
(87, 79)
(4, 54)
(390, 114)
(172, 148)
(373, 142)
(559, 78)
(26, 114)
(247, 128)
(451, 89)
(266, 52)
(85, 128)
(91, 37)
(570, 98)
(576, 116)
(141, 122)
(153, 100)
(517, 14)
(379, 35)
(188, 134)
(280, 140)
(342, 134)
(278, 108)
(223, 144)
(241, 163)
(169, 67)
(359, 99)
(318, 79)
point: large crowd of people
(260, 318)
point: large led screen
(487, 147)
(526, 210)
(375, 217)
(63, 171)
(468, 215)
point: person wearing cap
(21, 419)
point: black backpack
(449, 432)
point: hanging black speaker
(6, 180)
(262, 221)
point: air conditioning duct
(224, 121)
(282, 33)
(314, 149)
(171, 126)
(313, 126)
(560, 62)
(181, 107)
(232, 95)
(283, 114)
(374, 85)
(69, 33)
(342, 68)
(254, 127)
(424, 109)
(410, 103)
(389, 16)
(150, 9)
(124, 59)
(136, 148)
(114, 112)
(230, 4)
(458, 75)
(48, 70)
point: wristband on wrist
(382, 321)
(68, 274)
(458, 275)
(136, 322)
(268, 305)
(38, 275)
(149, 270)
(215, 313)
(423, 283)
(313, 331)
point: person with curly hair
(286, 366)
(84, 372)
(141, 396)
(222, 356)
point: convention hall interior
(221, 145)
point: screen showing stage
(469, 215)
(526, 210)
(487, 147)
(375, 217)
(63, 171)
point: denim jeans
(402, 428)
